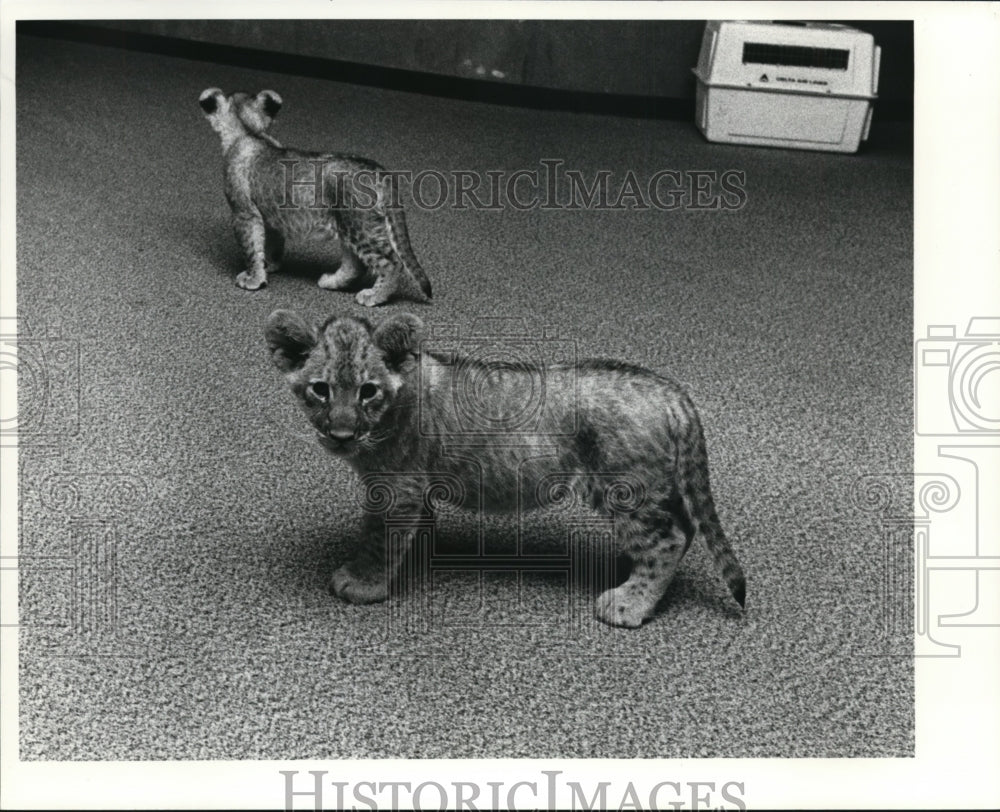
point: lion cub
(277, 193)
(394, 410)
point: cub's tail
(697, 497)
(400, 237)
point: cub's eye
(319, 390)
(367, 391)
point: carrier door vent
(799, 56)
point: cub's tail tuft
(698, 501)
(724, 558)
(739, 590)
(400, 237)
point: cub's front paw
(615, 608)
(348, 586)
(249, 281)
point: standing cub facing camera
(277, 193)
(392, 409)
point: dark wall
(646, 58)
(895, 38)
(630, 57)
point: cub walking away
(387, 406)
(277, 194)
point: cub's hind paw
(616, 609)
(248, 281)
(371, 297)
(334, 281)
(348, 586)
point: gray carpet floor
(178, 527)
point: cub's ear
(209, 100)
(399, 339)
(290, 340)
(270, 102)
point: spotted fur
(381, 402)
(277, 194)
